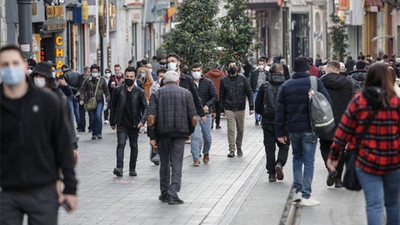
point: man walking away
(128, 106)
(215, 75)
(72, 78)
(293, 116)
(208, 96)
(266, 106)
(233, 92)
(35, 144)
(172, 117)
(341, 91)
(258, 77)
(359, 75)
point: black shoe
(118, 172)
(279, 171)
(132, 173)
(257, 123)
(217, 127)
(231, 154)
(338, 183)
(156, 163)
(164, 197)
(174, 200)
(94, 137)
(272, 178)
(331, 178)
(239, 152)
(90, 131)
(99, 137)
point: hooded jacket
(341, 91)
(215, 76)
(358, 78)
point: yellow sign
(85, 11)
(54, 11)
(59, 53)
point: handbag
(350, 180)
(91, 104)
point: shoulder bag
(91, 104)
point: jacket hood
(334, 81)
(277, 79)
(371, 94)
(359, 75)
(215, 73)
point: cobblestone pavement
(208, 191)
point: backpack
(321, 114)
(269, 100)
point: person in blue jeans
(293, 117)
(209, 97)
(88, 91)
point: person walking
(258, 77)
(116, 79)
(215, 75)
(33, 148)
(208, 96)
(313, 69)
(96, 88)
(341, 91)
(293, 117)
(370, 126)
(72, 78)
(146, 79)
(171, 118)
(157, 84)
(127, 115)
(233, 92)
(82, 112)
(265, 105)
(107, 77)
(359, 75)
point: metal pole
(25, 26)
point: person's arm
(212, 92)
(249, 94)
(280, 115)
(152, 117)
(82, 90)
(143, 102)
(106, 91)
(260, 99)
(191, 109)
(222, 96)
(251, 79)
(113, 106)
(196, 98)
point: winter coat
(89, 87)
(233, 93)
(186, 82)
(207, 93)
(341, 91)
(358, 78)
(215, 76)
(254, 79)
(72, 78)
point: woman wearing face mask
(107, 76)
(145, 77)
(44, 77)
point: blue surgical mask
(12, 75)
(141, 75)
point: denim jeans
(304, 145)
(82, 118)
(96, 120)
(195, 137)
(123, 134)
(381, 191)
(258, 117)
(74, 105)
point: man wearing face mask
(88, 91)
(107, 76)
(257, 79)
(208, 96)
(82, 113)
(116, 79)
(186, 82)
(33, 147)
(72, 78)
(127, 115)
(233, 92)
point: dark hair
(176, 56)
(362, 57)
(107, 70)
(31, 63)
(161, 71)
(275, 68)
(262, 59)
(155, 58)
(377, 76)
(230, 61)
(144, 61)
(385, 56)
(12, 47)
(64, 67)
(334, 64)
(197, 65)
(53, 65)
(129, 62)
(94, 66)
(117, 65)
(130, 69)
(360, 65)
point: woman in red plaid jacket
(378, 160)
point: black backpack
(269, 100)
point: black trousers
(106, 114)
(217, 113)
(171, 159)
(40, 204)
(82, 118)
(123, 134)
(325, 147)
(270, 142)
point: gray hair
(171, 77)
(283, 62)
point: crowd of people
(40, 111)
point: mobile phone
(66, 206)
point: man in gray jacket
(171, 119)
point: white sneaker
(309, 202)
(106, 122)
(297, 197)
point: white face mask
(108, 75)
(40, 82)
(53, 74)
(28, 72)
(118, 74)
(150, 70)
(172, 66)
(95, 75)
(196, 75)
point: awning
(264, 4)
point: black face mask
(232, 71)
(129, 82)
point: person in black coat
(257, 78)
(341, 91)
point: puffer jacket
(207, 93)
(233, 93)
(358, 78)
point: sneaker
(297, 197)
(231, 154)
(94, 137)
(118, 172)
(99, 137)
(239, 152)
(331, 178)
(132, 173)
(338, 183)
(272, 178)
(279, 171)
(196, 163)
(106, 122)
(174, 200)
(309, 202)
(206, 158)
(217, 127)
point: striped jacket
(379, 151)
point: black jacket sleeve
(196, 98)
(113, 106)
(152, 115)
(249, 94)
(143, 102)
(213, 92)
(222, 96)
(259, 106)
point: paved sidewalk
(207, 190)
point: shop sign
(112, 9)
(85, 11)
(344, 4)
(103, 17)
(59, 54)
(133, 2)
(55, 19)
